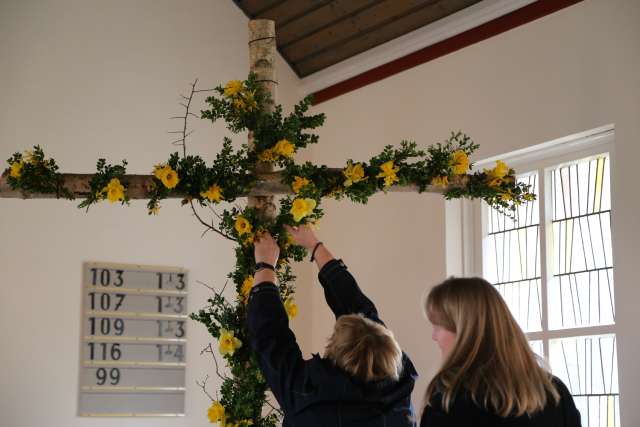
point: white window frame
(467, 220)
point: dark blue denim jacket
(315, 392)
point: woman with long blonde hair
(489, 374)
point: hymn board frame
(154, 306)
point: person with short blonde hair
(489, 374)
(364, 378)
(364, 348)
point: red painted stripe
(487, 30)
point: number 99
(114, 376)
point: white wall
(572, 71)
(87, 79)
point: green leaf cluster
(98, 182)
(37, 174)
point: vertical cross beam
(262, 52)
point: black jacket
(464, 412)
(314, 392)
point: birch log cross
(273, 140)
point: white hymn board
(133, 341)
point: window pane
(581, 290)
(512, 261)
(588, 366)
(537, 348)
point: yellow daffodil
(353, 173)
(213, 194)
(291, 307)
(228, 343)
(216, 413)
(250, 102)
(494, 181)
(506, 197)
(233, 88)
(498, 174)
(301, 208)
(459, 162)
(251, 105)
(268, 155)
(248, 241)
(285, 148)
(170, 178)
(501, 170)
(299, 183)
(529, 197)
(440, 181)
(167, 175)
(16, 169)
(239, 104)
(114, 190)
(242, 225)
(245, 289)
(159, 171)
(388, 173)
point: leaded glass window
(553, 265)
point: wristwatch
(261, 265)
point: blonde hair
(364, 349)
(491, 357)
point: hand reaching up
(302, 236)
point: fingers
(291, 229)
(264, 237)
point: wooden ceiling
(315, 34)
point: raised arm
(341, 290)
(279, 355)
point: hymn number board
(133, 340)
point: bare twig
(273, 408)
(267, 399)
(214, 212)
(203, 386)
(206, 230)
(183, 143)
(209, 349)
(187, 113)
(214, 290)
(211, 227)
(207, 286)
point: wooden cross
(262, 52)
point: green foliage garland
(244, 106)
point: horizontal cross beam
(269, 183)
